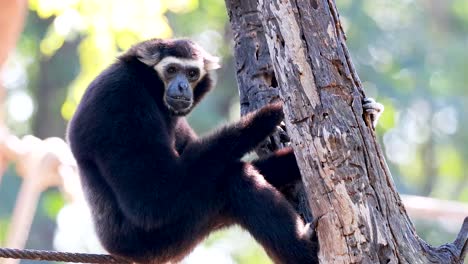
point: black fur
(156, 190)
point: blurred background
(411, 55)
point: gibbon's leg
(266, 214)
(279, 168)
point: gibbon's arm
(235, 140)
(143, 179)
(184, 135)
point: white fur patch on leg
(372, 109)
(308, 231)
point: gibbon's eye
(193, 74)
(171, 69)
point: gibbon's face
(181, 64)
(180, 77)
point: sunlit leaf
(52, 203)
(67, 109)
(404, 79)
(439, 82)
(181, 6)
(254, 255)
(460, 9)
(387, 119)
(106, 26)
(450, 163)
(51, 42)
(3, 229)
(412, 172)
(48, 8)
(464, 195)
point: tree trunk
(348, 185)
(257, 82)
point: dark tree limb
(344, 172)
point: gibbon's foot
(372, 109)
(309, 228)
(283, 135)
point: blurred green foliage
(104, 27)
(410, 54)
(53, 201)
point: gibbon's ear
(211, 62)
(148, 55)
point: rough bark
(348, 184)
(257, 82)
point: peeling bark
(257, 81)
(348, 184)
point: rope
(44, 255)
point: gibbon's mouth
(179, 98)
(179, 104)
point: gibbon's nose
(183, 86)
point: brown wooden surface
(362, 218)
(256, 79)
